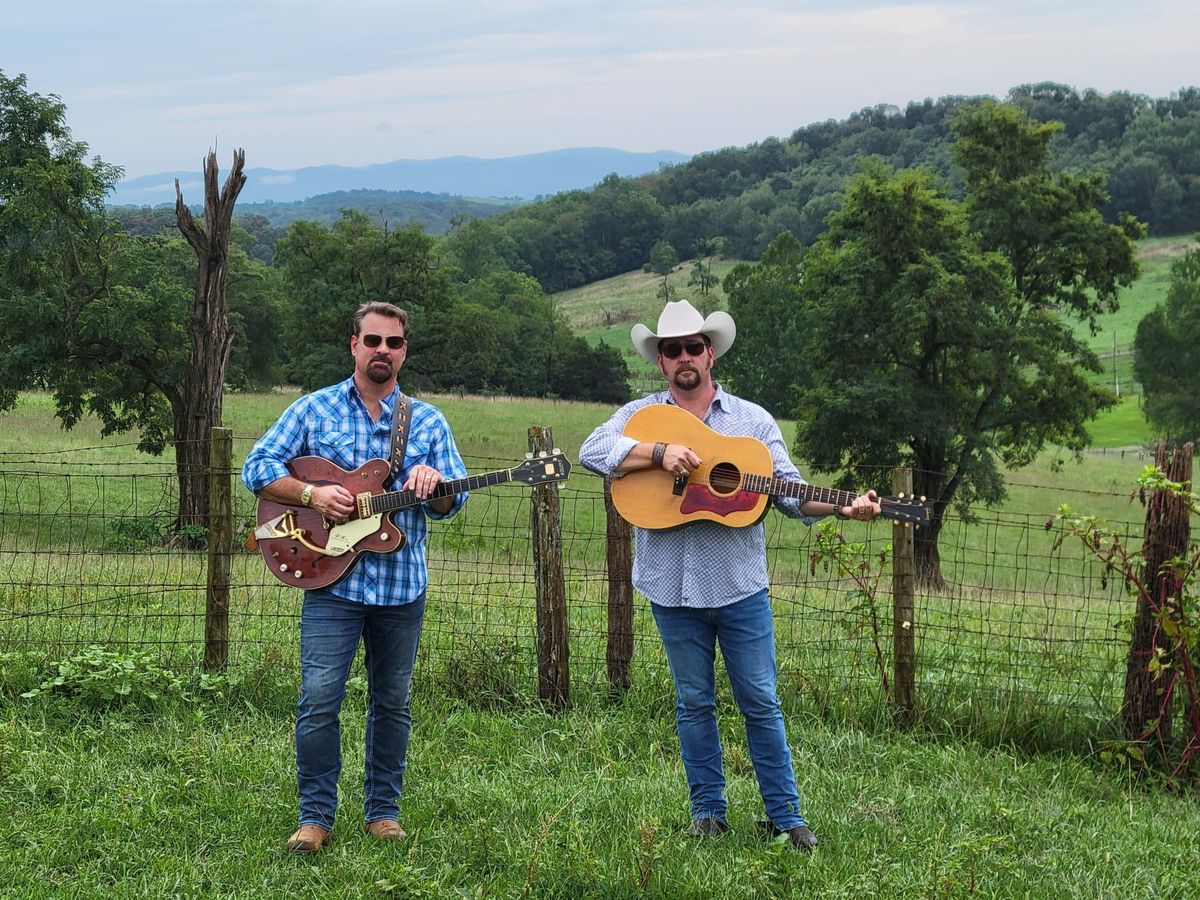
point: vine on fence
(1169, 593)
(866, 571)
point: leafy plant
(1175, 640)
(852, 560)
(101, 677)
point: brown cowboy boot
(385, 830)
(307, 839)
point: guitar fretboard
(777, 487)
(401, 499)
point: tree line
(1148, 150)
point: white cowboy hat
(680, 319)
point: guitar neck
(402, 499)
(777, 487)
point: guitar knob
(283, 567)
(298, 573)
(383, 535)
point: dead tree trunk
(1147, 709)
(197, 402)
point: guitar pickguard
(701, 498)
(343, 537)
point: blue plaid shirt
(699, 564)
(333, 423)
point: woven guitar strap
(400, 418)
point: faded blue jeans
(330, 628)
(745, 632)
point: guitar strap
(400, 420)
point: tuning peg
(556, 451)
(900, 496)
(922, 498)
(529, 456)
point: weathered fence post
(220, 550)
(545, 513)
(619, 559)
(1166, 537)
(903, 570)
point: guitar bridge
(363, 502)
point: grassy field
(606, 310)
(194, 799)
(139, 777)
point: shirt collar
(350, 389)
(719, 401)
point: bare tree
(197, 402)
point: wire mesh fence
(1022, 632)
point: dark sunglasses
(674, 348)
(394, 341)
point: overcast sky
(151, 85)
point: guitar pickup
(680, 483)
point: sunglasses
(674, 348)
(394, 341)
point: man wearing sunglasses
(382, 599)
(707, 582)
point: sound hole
(725, 478)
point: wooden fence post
(545, 513)
(903, 622)
(619, 560)
(220, 550)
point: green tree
(702, 275)
(329, 272)
(766, 361)
(939, 331)
(663, 258)
(102, 318)
(1166, 353)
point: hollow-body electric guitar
(304, 549)
(726, 487)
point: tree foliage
(1148, 150)
(1166, 353)
(938, 332)
(766, 361)
(474, 325)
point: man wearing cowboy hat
(707, 582)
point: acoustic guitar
(732, 484)
(304, 549)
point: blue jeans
(329, 632)
(746, 634)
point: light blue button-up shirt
(333, 423)
(701, 564)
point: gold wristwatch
(306, 495)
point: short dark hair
(379, 308)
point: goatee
(687, 379)
(379, 372)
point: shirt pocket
(336, 446)
(418, 452)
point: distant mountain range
(525, 177)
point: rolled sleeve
(607, 446)
(268, 460)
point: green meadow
(127, 772)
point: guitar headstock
(544, 468)
(910, 510)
